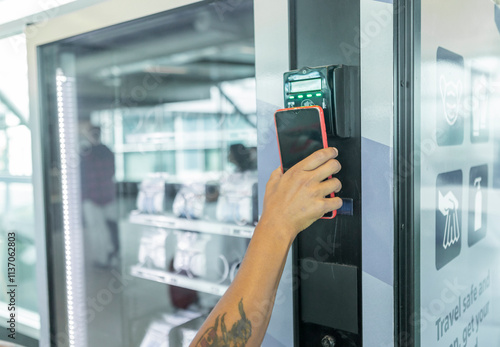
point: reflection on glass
(97, 164)
(459, 163)
(162, 122)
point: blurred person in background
(245, 158)
(100, 212)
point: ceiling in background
(171, 57)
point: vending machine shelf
(178, 280)
(202, 226)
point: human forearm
(292, 202)
(246, 307)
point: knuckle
(332, 152)
(323, 205)
(335, 165)
(307, 184)
(303, 180)
(332, 165)
(295, 177)
(338, 184)
(337, 203)
(292, 173)
(321, 155)
(312, 192)
(308, 181)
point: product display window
(151, 164)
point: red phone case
(323, 135)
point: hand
(296, 199)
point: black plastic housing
(337, 96)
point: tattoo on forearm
(218, 336)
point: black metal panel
(330, 280)
(327, 33)
(406, 72)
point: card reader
(332, 87)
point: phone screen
(299, 135)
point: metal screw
(328, 341)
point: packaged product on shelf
(190, 254)
(171, 189)
(184, 334)
(151, 197)
(152, 251)
(237, 198)
(222, 253)
(160, 329)
(157, 335)
(194, 259)
(190, 201)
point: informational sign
(478, 203)
(450, 99)
(448, 217)
(459, 167)
(480, 102)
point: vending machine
(154, 128)
(154, 138)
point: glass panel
(16, 189)
(14, 72)
(19, 152)
(19, 219)
(3, 197)
(459, 164)
(4, 162)
(151, 146)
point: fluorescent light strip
(71, 220)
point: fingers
(317, 159)
(332, 185)
(331, 204)
(331, 167)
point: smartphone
(301, 131)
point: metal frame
(40, 18)
(407, 174)
(100, 16)
(327, 48)
(272, 59)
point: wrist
(279, 229)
